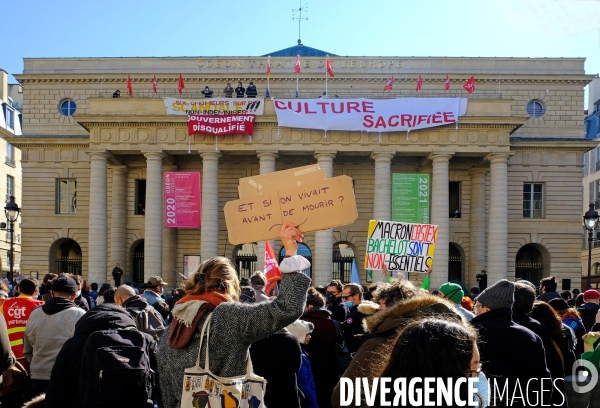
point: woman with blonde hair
(214, 288)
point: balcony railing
(10, 161)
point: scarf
(187, 314)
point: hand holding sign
(290, 236)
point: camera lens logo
(589, 376)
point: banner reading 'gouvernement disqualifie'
(371, 115)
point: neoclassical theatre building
(506, 188)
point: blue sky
(473, 28)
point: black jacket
(251, 91)
(588, 312)
(278, 358)
(63, 388)
(239, 91)
(351, 327)
(81, 302)
(509, 352)
(338, 310)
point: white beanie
(300, 329)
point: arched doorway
(529, 264)
(245, 260)
(137, 261)
(65, 257)
(455, 264)
(305, 252)
(343, 255)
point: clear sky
(471, 28)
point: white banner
(215, 106)
(371, 115)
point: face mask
(349, 304)
(78, 293)
(482, 387)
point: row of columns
(160, 243)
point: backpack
(147, 322)
(115, 370)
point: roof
(299, 49)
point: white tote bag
(203, 389)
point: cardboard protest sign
(317, 206)
(400, 246)
(271, 182)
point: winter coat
(64, 381)
(278, 358)
(383, 327)
(240, 91)
(306, 383)
(548, 296)
(576, 325)
(588, 312)
(234, 327)
(338, 310)
(82, 303)
(321, 353)
(509, 352)
(352, 327)
(152, 297)
(251, 91)
(48, 327)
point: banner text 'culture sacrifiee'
(400, 246)
(214, 106)
(219, 125)
(370, 115)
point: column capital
(267, 154)
(478, 170)
(98, 154)
(121, 167)
(498, 157)
(325, 155)
(439, 157)
(154, 155)
(382, 156)
(211, 155)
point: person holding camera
(482, 279)
(207, 92)
(240, 90)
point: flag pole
(326, 78)
(297, 79)
(268, 95)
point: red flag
(181, 85)
(329, 69)
(272, 272)
(390, 83)
(470, 84)
(419, 83)
(154, 84)
(268, 67)
(297, 67)
(447, 87)
(129, 87)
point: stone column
(323, 250)
(440, 209)
(498, 223)
(153, 216)
(382, 196)
(267, 165)
(98, 217)
(118, 221)
(209, 230)
(169, 248)
(477, 224)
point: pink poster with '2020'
(182, 199)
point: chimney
(3, 85)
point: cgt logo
(16, 311)
(589, 376)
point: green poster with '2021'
(410, 198)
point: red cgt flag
(129, 87)
(329, 69)
(389, 85)
(297, 66)
(181, 85)
(470, 84)
(419, 83)
(154, 84)
(447, 87)
(272, 272)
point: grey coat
(235, 326)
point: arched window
(245, 260)
(343, 255)
(529, 264)
(65, 257)
(305, 252)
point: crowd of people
(240, 91)
(129, 345)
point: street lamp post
(12, 211)
(590, 220)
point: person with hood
(207, 92)
(64, 385)
(47, 330)
(321, 349)
(505, 346)
(570, 317)
(589, 308)
(306, 383)
(335, 305)
(213, 291)
(134, 304)
(454, 293)
(251, 91)
(548, 289)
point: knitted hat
(591, 294)
(300, 329)
(558, 304)
(500, 294)
(64, 284)
(452, 291)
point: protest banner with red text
(370, 115)
(219, 125)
